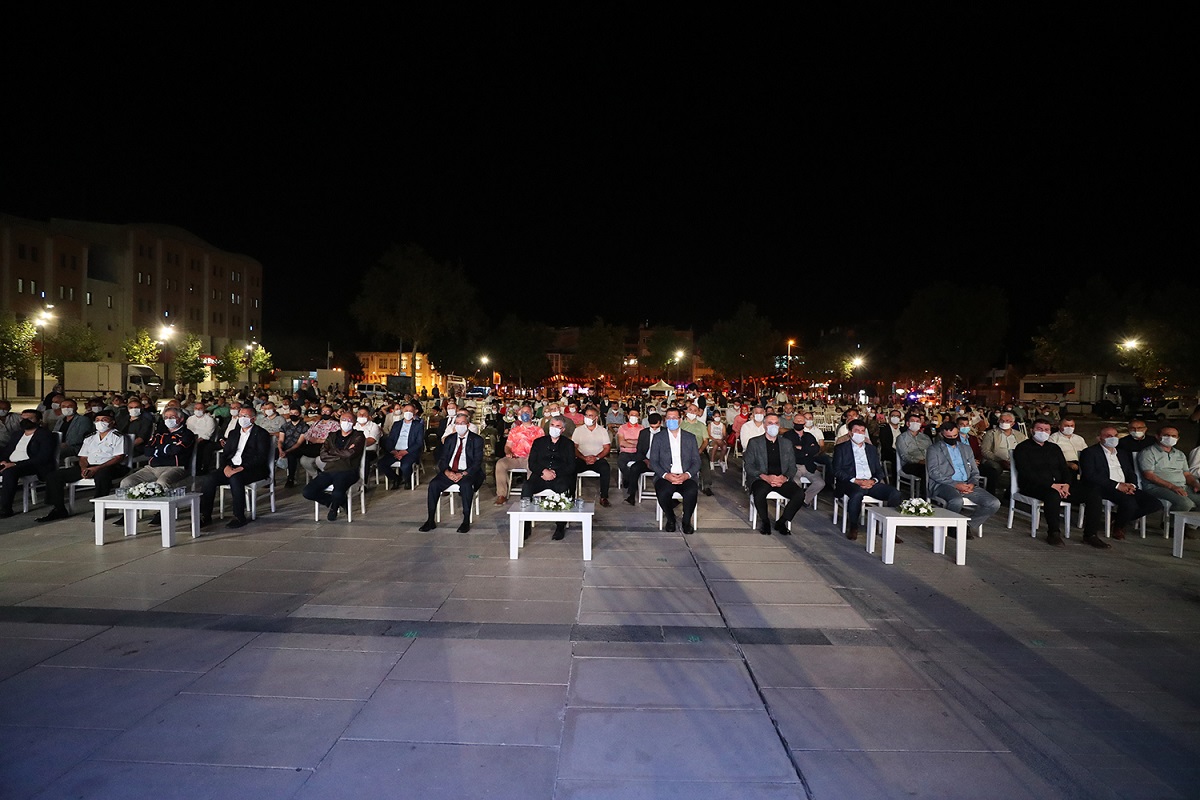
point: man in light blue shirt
(953, 476)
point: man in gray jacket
(770, 464)
(953, 476)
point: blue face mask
(672, 424)
(526, 417)
(964, 431)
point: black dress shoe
(560, 530)
(204, 521)
(428, 526)
(55, 513)
(765, 528)
(1097, 542)
(290, 483)
(782, 527)
(464, 528)
(236, 522)
(630, 501)
(1055, 539)
(155, 520)
(852, 533)
(688, 529)
(670, 524)
(708, 492)
(332, 515)
(528, 529)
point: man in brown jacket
(340, 456)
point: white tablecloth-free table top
(535, 513)
(889, 519)
(165, 506)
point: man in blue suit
(858, 473)
(675, 460)
(461, 463)
(1108, 473)
(403, 446)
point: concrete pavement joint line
(200, 764)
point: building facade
(118, 278)
(378, 365)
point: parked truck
(1106, 394)
(88, 378)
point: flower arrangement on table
(556, 502)
(145, 491)
(917, 507)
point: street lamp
(1130, 344)
(791, 344)
(249, 350)
(164, 337)
(42, 320)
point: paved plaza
(302, 659)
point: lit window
(71, 293)
(62, 292)
(20, 286)
(110, 301)
(88, 298)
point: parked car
(1174, 409)
(370, 390)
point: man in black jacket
(551, 466)
(807, 452)
(641, 460)
(1108, 473)
(461, 463)
(248, 456)
(1042, 472)
(31, 453)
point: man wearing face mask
(10, 423)
(641, 457)
(592, 446)
(269, 419)
(292, 438)
(1042, 472)
(954, 476)
(248, 456)
(29, 453)
(1166, 475)
(521, 437)
(627, 451)
(755, 426)
(74, 427)
(572, 413)
(314, 439)
(461, 463)
(133, 421)
(554, 411)
(888, 435)
(998, 445)
(100, 459)
(170, 452)
(1109, 473)
(370, 429)
(551, 466)
(911, 447)
(1071, 443)
(1137, 440)
(341, 454)
(858, 473)
(770, 462)
(403, 446)
(675, 460)
(807, 452)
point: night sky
(662, 168)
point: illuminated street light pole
(249, 351)
(42, 320)
(164, 338)
(791, 344)
(678, 358)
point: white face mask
(1111, 442)
(633, 420)
(1169, 441)
(555, 432)
(758, 417)
(1067, 430)
(55, 406)
(691, 417)
(245, 422)
(363, 420)
(772, 430)
(270, 412)
(198, 413)
(589, 421)
(1041, 436)
(68, 412)
(895, 420)
(858, 438)
(101, 427)
(408, 415)
(555, 413)
(171, 423)
(346, 425)
(97, 409)
(460, 429)
(1004, 426)
(134, 413)
(1138, 434)
(914, 426)
(808, 423)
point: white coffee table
(165, 506)
(889, 519)
(1181, 519)
(535, 513)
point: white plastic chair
(450, 492)
(780, 503)
(658, 512)
(843, 501)
(252, 490)
(511, 472)
(646, 487)
(1035, 505)
(967, 503)
(579, 476)
(905, 480)
(360, 485)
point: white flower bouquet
(556, 502)
(917, 507)
(145, 491)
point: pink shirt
(627, 436)
(520, 438)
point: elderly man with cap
(101, 459)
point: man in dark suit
(31, 453)
(1108, 473)
(675, 460)
(858, 473)
(770, 462)
(248, 457)
(461, 463)
(1042, 472)
(404, 445)
(551, 466)
(640, 463)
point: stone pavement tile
(435, 572)
(883, 775)
(815, 666)
(227, 545)
(56, 599)
(616, 789)
(759, 555)
(762, 615)
(164, 649)
(774, 592)
(656, 683)
(355, 770)
(56, 572)
(503, 566)
(626, 618)
(1140, 784)
(72, 697)
(743, 538)
(671, 651)
(341, 546)
(760, 571)
(314, 610)
(251, 603)
(328, 641)
(543, 611)
(32, 757)
(133, 584)
(307, 562)
(466, 713)
(661, 601)
(349, 592)
(518, 588)
(643, 577)
(680, 745)
(876, 719)
(485, 661)
(36, 630)
(235, 731)
(12, 593)
(272, 580)
(641, 558)
(116, 780)
(168, 562)
(316, 674)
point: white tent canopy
(662, 386)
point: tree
(1080, 339)
(189, 368)
(260, 361)
(601, 349)
(141, 348)
(16, 349)
(230, 364)
(927, 342)
(73, 341)
(521, 350)
(745, 345)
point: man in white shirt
(101, 459)
(753, 426)
(592, 445)
(675, 459)
(1071, 443)
(1109, 473)
(370, 429)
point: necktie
(458, 453)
